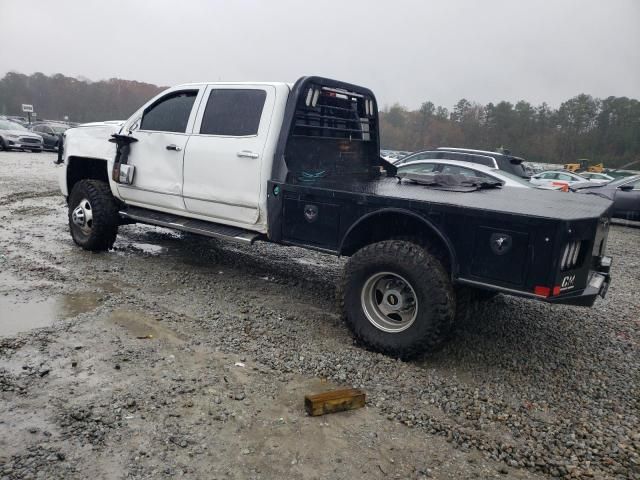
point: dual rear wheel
(397, 298)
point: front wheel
(397, 299)
(93, 215)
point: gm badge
(311, 213)
(501, 243)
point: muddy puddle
(23, 307)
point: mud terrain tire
(420, 280)
(93, 215)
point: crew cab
(300, 165)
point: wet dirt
(142, 326)
(135, 373)
(23, 308)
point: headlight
(13, 136)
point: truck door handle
(174, 147)
(247, 154)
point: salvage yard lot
(176, 356)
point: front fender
(88, 141)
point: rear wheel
(93, 215)
(397, 299)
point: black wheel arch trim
(445, 240)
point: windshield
(59, 128)
(7, 125)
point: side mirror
(626, 188)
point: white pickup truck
(300, 165)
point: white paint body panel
(217, 182)
(158, 177)
(89, 141)
(206, 180)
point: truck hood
(91, 140)
(108, 123)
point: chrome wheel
(389, 302)
(82, 216)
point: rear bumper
(597, 285)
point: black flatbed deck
(506, 200)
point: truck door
(162, 134)
(224, 157)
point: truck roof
(198, 84)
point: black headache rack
(330, 129)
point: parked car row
(510, 172)
(35, 137)
(468, 169)
(624, 192)
(499, 161)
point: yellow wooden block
(334, 401)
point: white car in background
(458, 167)
(597, 177)
(555, 178)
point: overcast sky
(406, 51)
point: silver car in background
(14, 136)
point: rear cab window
(233, 112)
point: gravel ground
(176, 356)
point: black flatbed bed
(532, 202)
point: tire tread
(105, 214)
(429, 271)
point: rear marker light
(542, 291)
(546, 291)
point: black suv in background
(501, 161)
(51, 133)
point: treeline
(58, 96)
(602, 130)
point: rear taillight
(570, 255)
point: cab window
(233, 112)
(170, 113)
